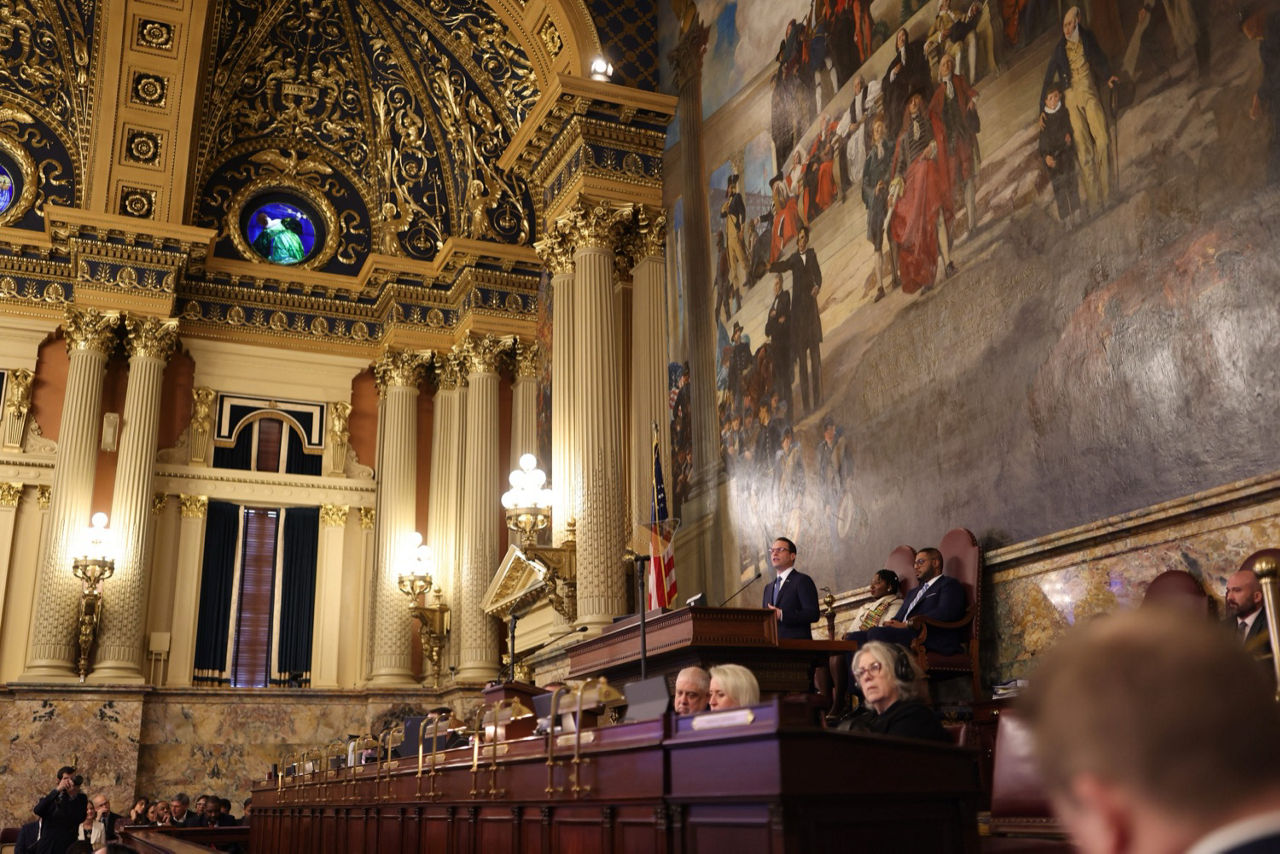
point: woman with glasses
(893, 687)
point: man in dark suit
(181, 813)
(806, 325)
(61, 812)
(937, 596)
(1154, 733)
(109, 820)
(793, 597)
(1245, 614)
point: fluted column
(192, 511)
(648, 356)
(326, 642)
(481, 503)
(52, 651)
(150, 343)
(524, 402)
(10, 495)
(444, 495)
(603, 526)
(556, 251)
(398, 374)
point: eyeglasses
(863, 672)
(776, 549)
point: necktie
(777, 588)
(1244, 628)
(914, 599)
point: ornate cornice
(528, 359)
(334, 515)
(90, 329)
(402, 368)
(151, 337)
(193, 506)
(9, 494)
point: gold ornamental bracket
(525, 578)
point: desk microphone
(753, 580)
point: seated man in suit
(938, 596)
(1154, 732)
(793, 597)
(1245, 614)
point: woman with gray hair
(893, 687)
(733, 685)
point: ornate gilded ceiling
(395, 112)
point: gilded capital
(450, 372)
(193, 506)
(334, 515)
(18, 396)
(597, 225)
(44, 496)
(366, 518)
(686, 58)
(151, 336)
(556, 248)
(159, 501)
(398, 368)
(89, 329)
(9, 494)
(528, 359)
(650, 233)
(480, 353)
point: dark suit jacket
(944, 600)
(806, 326)
(190, 819)
(27, 838)
(1258, 641)
(1059, 70)
(909, 719)
(1261, 845)
(61, 816)
(798, 601)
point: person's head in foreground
(733, 685)
(1153, 732)
(693, 686)
(887, 674)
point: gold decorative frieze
(90, 329)
(334, 515)
(398, 368)
(10, 493)
(151, 336)
(193, 506)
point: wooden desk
(742, 780)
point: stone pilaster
(150, 343)
(10, 495)
(524, 402)
(52, 651)
(481, 504)
(397, 374)
(192, 511)
(326, 644)
(445, 492)
(603, 526)
(556, 250)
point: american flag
(662, 556)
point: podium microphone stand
(642, 604)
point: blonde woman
(733, 685)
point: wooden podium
(704, 636)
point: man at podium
(793, 597)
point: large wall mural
(992, 265)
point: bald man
(1245, 614)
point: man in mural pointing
(806, 325)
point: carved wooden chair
(962, 560)
(1021, 819)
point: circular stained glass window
(282, 230)
(6, 187)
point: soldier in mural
(920, 195)
(954, 109)
(1080, 67)
(806, 325)
(734, 213)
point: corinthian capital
(89, 329)
(450, 371)
(650, 233)
(528, 359)
(480, 353)
(686, 58)
(398, 368)
(597, 225)
(556, 248)
(151, 336)
(193, 506)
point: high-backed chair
(1178, 589)
(962, 560)
(1019, 804)
(902, 561)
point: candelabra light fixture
(528, 501)
(93, 562)
(415, 582)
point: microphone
(753, 580)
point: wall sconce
(433, 617)
(93, 562)
(528, 501)
(601, 69)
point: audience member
(62, 811)
(248, 810)
(693, 685)
(180, 814)
(140, 812)
(938, 596)
(214, 816)
(1155, 733)
(793, 597)
(105, 817)
(91, 830)
(1245, 614)
(885, 600)
(163, 814)
(732, 685)
(893, 686)
(28, 841)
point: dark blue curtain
(298, 593)
(300, 462)
(221, 541)
(239, 455)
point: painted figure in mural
(1059, 155)
(785, 218)
(798, 186)
(725, 289)
(791, 480)
(740, 361)
(920, 198)
(280, 240)
(1264, 26)
(778, 328)
(835, 471)
(824, 166)
(734, 214)
(836, 17)
(806, 325)
(1080, 67)
(962, 33)
(876, 173)
(954, 109)
(768, 440)
(907, 75)
(1187, 28)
